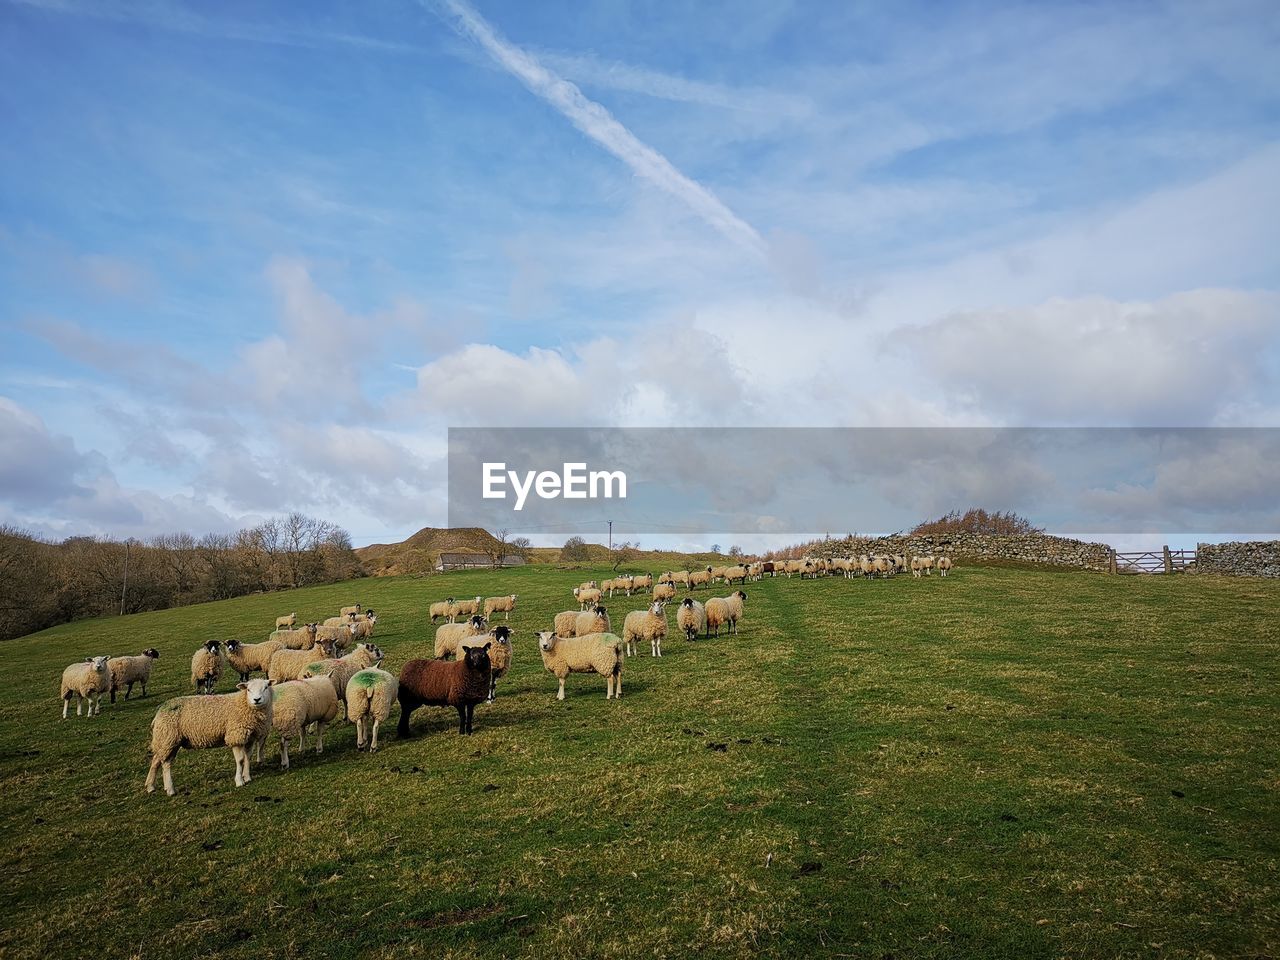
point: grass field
(1007, 763)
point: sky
(257, 258)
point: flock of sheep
(309, 673)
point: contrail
(598, 124)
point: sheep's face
(151, 652)
(478, 622)
(233, 646)
(212, 646)
(478, 658)
(374, 651)
(257, 692)
(658, 607)
(600, 611)
(99, 663)
(740, 594)
(546, 640)
(687, 602)
(502, 635)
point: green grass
(1007, 763)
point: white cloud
(1173, 361)
(601, 126)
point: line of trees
(44, 583)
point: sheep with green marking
(341, 669)
(371, 693)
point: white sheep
(126, 671)
(641, 581)
(338, 638)
(594, 653)
(354, 608)
(641, 625)
(503, 605)
(289, 664)
(240, 720)
(664, 592)
(440, 609)
(303, 638)
(588, 597)
(725, 610)
(465, 608)
(944, 566)
(448, 635)
(287, 622)
(87, 681)
(362, 628)
(371, 693)
(339, 620)
(245, 658)
(298, 704)
(691, 618)
(699, 578)
(206, 666)
(342, 669)
(574, 623)
(499, 640)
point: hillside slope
(419, 553)
(1005, 764)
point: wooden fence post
(1168, 560)
(1111, 566)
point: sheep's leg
(79, 701)
(471, 716)
(402, 726)
(462, 719)
(560, 695)
(284, 753)
(151, 774)
(66, 705)
(320, 736)
(167, 767)
(113, 693)
(493, 688)
(617, 684)
(608, 683)
(236, 752)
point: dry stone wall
(1240, 558)
(1024, 548)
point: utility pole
(610, 534)
(124, 586)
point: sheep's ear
(242, 686)
(486, 647)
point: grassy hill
(419, 553)
(1007, 763)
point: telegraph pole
(610, 534)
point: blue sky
(258, 257)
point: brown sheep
(460, 684)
